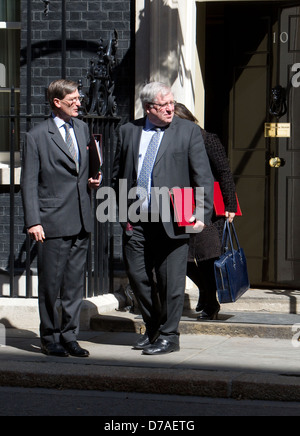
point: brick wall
(87, 22)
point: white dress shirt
(60, 125)
(148, 132)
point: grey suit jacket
(54, 195)
(181, 162)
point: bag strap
(236, 237)
(227, 237)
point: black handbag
(231, 271)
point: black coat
(207, 244)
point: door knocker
(278, 105)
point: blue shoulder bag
(231, 271)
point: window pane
(9, 76)
(10, 58)
(10, 10)
(5, 105)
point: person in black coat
(205, 247)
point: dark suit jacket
(54, 195)
(181, 162)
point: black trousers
(203, 276)
(147, 252)
(61, 265)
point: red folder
(183, 201)
(219, 202)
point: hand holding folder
(219, 205)
(183, 201)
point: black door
(287, 175)
(251, 49)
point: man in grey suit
(54, 183)
(160, 151)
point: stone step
(247, 324)
(21, 313)
(286, 301)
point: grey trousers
(61, 268)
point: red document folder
(183, 201)
(219, 202)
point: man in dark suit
(54, 183)
(160, 151)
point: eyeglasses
(165, 105)
(73, 101)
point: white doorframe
(166, 50)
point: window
(10, 10)
(10, 34)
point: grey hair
(150, 92)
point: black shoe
(161, 346)
(199, 307)
(142, 343)
(75, 350)
(54, 350)
(210, 315)
(200, 304)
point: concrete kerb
(200, 383)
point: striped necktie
(148, 164)
(70, 144)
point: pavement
(244, 355)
